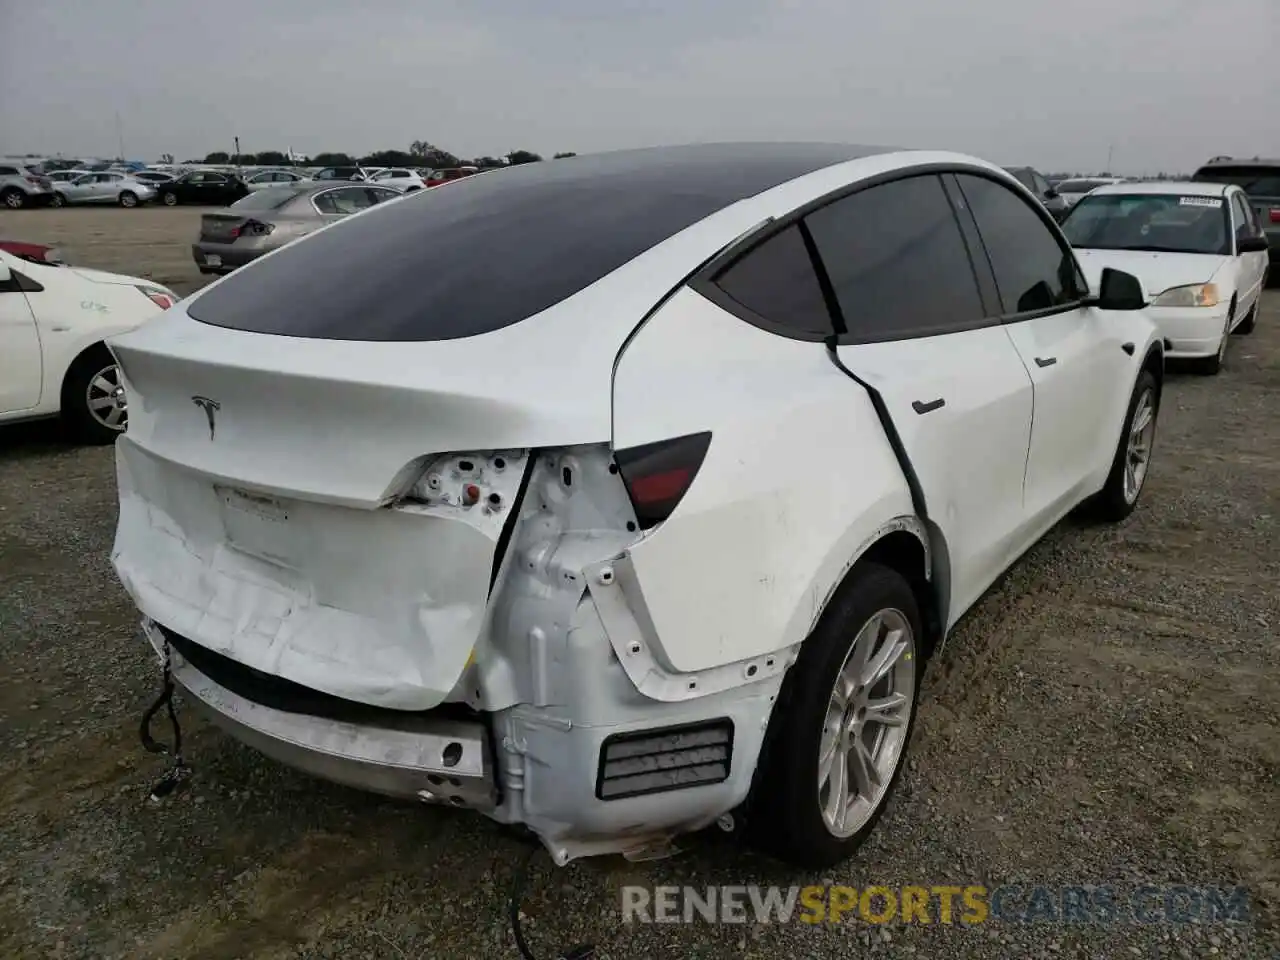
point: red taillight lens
(160, 299)
(1275, 214)
(657, 475)
(252, 228)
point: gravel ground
(1108, 714)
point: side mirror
(1255, 244)
(1118, 290)
(1051, 194)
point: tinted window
(1033, 269)
(1257, 181)
(495, 249)
(776, 280)
(8, 171)
(897, 261)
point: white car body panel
(693, 367)
(42, 333)
(1081, 376)
(985, 422)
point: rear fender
(798, 479)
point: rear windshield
(268, 198)
(487, 251)
(1257, 181)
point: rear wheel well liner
(906, 553)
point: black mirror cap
(1255, 244)
(1118, 290)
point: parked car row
(21, 186)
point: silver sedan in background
(268, 219)
(106, 187)
(265, 179)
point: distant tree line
(420, 154)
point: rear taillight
(657, 475)
(1275, 214)
(161, 299)
(252, 228)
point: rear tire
(58, 200)
(128, 198)
(13, 198)
(92, 397)
(795, 807)
(169, 199)
(1119, 496)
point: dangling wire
(583, 951)
(177, 774)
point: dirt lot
(1110, 713)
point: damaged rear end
(374, 581)
(375, 519)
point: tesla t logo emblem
(210, 407)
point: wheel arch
(1153, 363)
(918, 552)
(96, 348)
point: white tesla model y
(614, 495)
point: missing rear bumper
(423, 756)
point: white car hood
(1157, 271)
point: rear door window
(897, 262)
(1034, 270)
(776, 282)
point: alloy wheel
(864, 733)
(1138, 455)
(106, 399)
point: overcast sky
(1051, 83)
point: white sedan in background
(1197, 248)
(402, 178)
(273, 178)
(53, 320)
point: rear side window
(897, 262)
(776, 281)
(1257, 181)
(1033, 269)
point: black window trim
(1047, 218)
(19, 282)
(704, 280)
